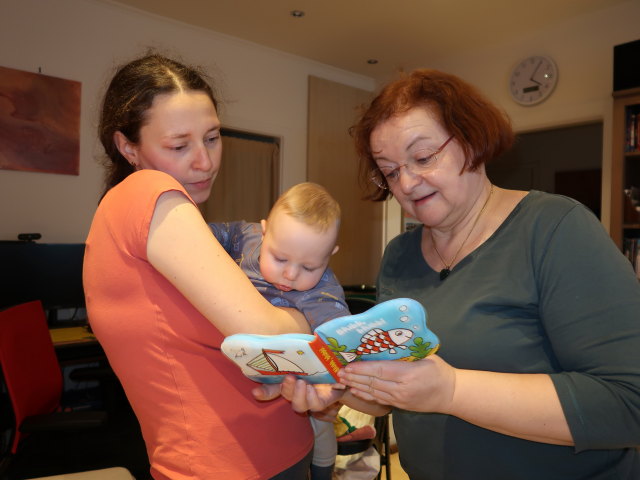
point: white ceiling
(400, 34)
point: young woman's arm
(321, 399)
(183, 249)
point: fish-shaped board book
(392, 330)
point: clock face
(533, 80)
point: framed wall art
(39, 123)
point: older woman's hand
(426, 385)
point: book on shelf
(392, 330)
(631, 250)
(631, 213)
(632, 129)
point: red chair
(33, 378)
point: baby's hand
(305, 397)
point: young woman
(162, 293)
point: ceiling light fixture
(297, 13)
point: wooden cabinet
(625, 169)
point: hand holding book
(392, 330)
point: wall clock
(533, 79)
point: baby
(286, 258)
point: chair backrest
(359, 304)
(29, 364)
(380, 442)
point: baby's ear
(263, 224)
(335, 250)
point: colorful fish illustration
(377, 340)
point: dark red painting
(39, 123)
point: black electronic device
(626, 66)
(49, 272)
(29, 237)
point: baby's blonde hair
(310, 204)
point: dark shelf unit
(625, 173)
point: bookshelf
(625, 169)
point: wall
(263, 91)
(583, 51)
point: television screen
(49, 272)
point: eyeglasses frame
(379, 179)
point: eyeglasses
(387, 177)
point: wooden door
(332, 162)
(247, 182)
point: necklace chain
(444, 273)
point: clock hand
(534, 74)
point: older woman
(537, 311)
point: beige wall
(264, 90)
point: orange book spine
(326, 356)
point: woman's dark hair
(482, 130)
(130, 95)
